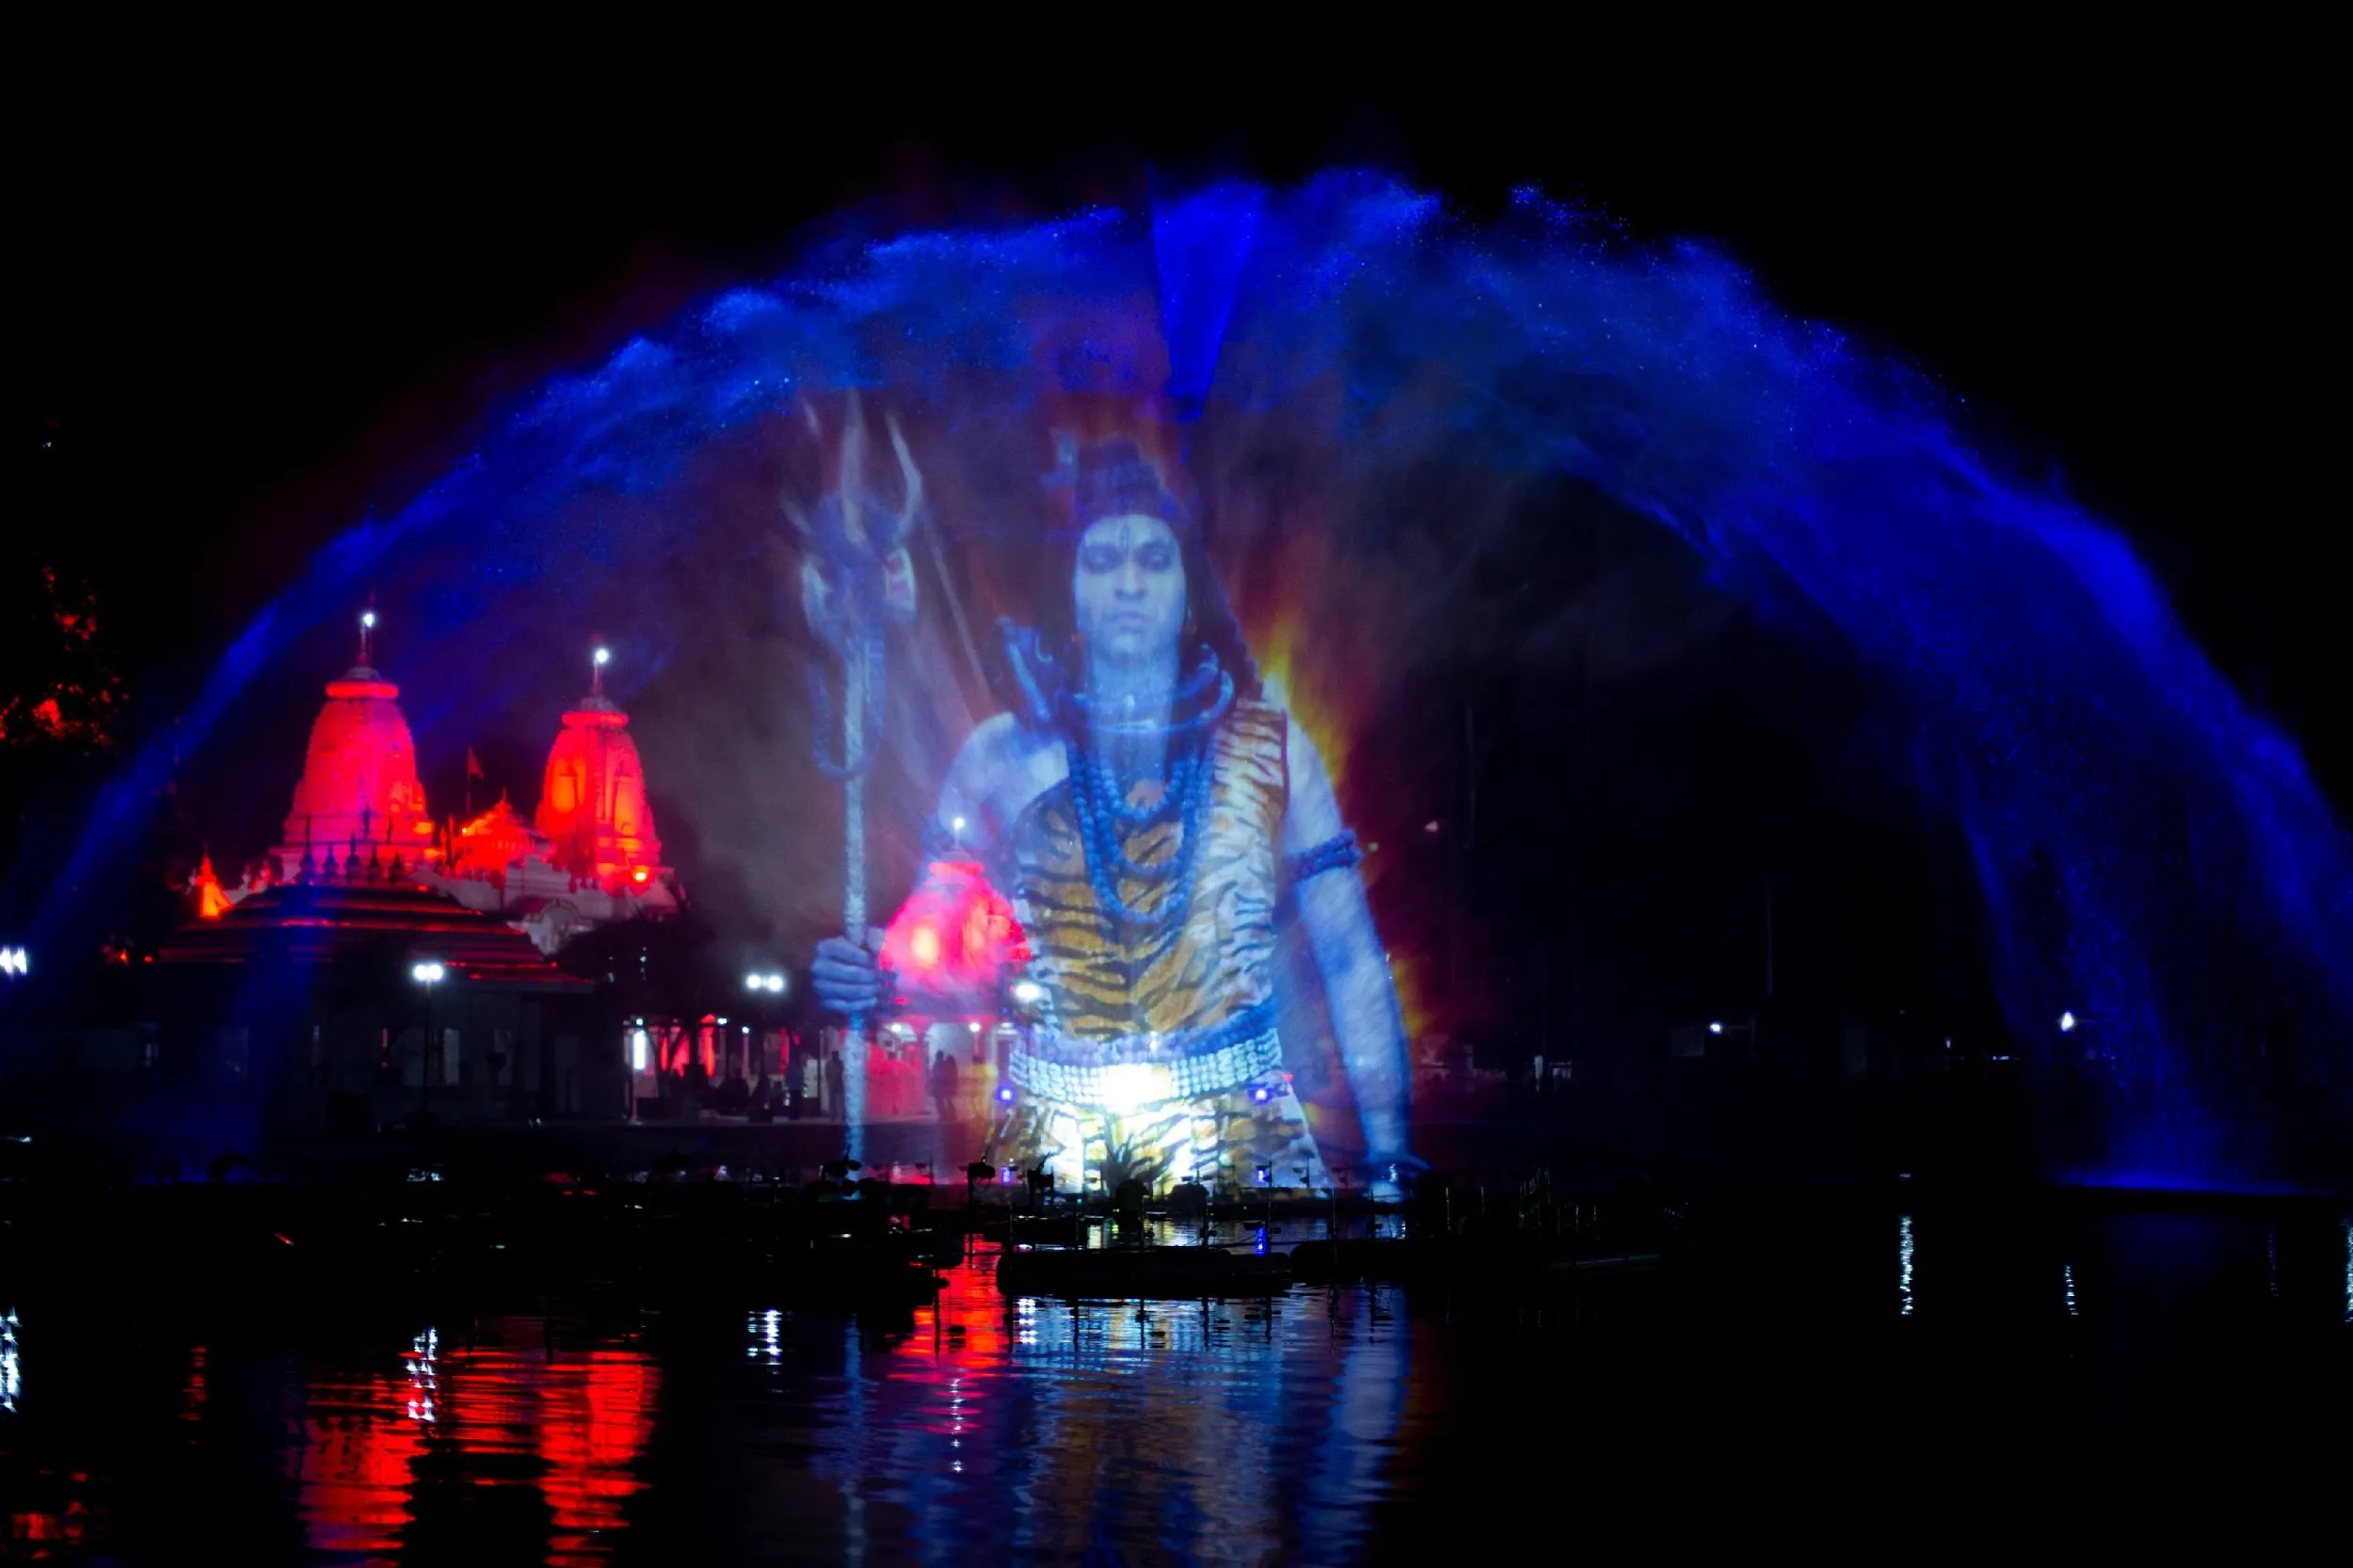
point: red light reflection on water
(583, 1416)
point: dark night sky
(244, 314)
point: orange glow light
(211, 902)
(640, 874)
(923, 946)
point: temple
(367, 880)
(359, 784)
(588, 857)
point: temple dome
(592, 802)
(359, 777)
(496, 841)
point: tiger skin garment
(1157, 1040)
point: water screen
(1053, 619)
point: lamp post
(428, 973)
(765, 987)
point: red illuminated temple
(588, 857)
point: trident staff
(856, 579)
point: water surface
(1872, 1377)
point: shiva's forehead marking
(1128, 534)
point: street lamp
(761, 984)
(429, 973)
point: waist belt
(1142, 1069)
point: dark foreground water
(1893, 1382)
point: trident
(856, 578)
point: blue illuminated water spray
(2122, 804)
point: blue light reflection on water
(11, 1377)
(1192, 1427)
(1903, 1264)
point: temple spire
(367, 634)
(597, 660)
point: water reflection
(382, 1452)
(1057, 1427)
(1278, 1429)
(1903, 1264)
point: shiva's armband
(1337, 853)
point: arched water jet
(2127, 814)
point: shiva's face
(1129, 590)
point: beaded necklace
(1106, 820)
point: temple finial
(367, 634)
(597, 660)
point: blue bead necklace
(1106, 821)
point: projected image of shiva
(1146, 806)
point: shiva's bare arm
(1356, 970)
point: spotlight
(602, 656)
(1261, 1093)
(1715, 1029)
(430, 972)
(1028, 992)
(1004, 1094)
(1264, 1175)
(2067, 1023)
(367, 620)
